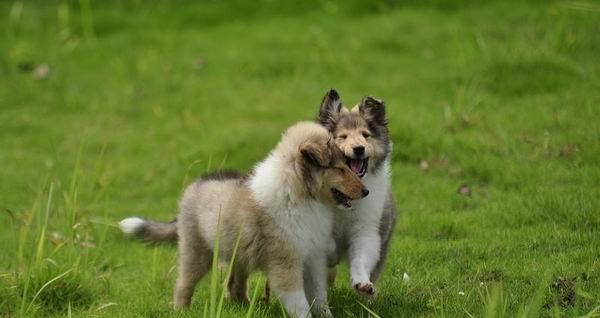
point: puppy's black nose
(365, 192)
(359, 150)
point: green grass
(142, 96)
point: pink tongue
(356, 165)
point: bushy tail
(150, 231)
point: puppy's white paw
(366, 289)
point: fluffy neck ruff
(283, 179)
(276, 182)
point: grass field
(109, 108)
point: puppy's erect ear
(330, 107)
(316, 154)
(373, 110)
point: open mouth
(359, 166)
(341, 198)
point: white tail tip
(131, 225)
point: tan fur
(314, 166)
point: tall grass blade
(283, 312)
(23, 241)
(492, 302)
(24, 231)
(44, 287)
(187, 173)
(214, 271)
(209, 162)
(229, 270)
(250, 312)
(72, 195)
(98, 175)
(223, 161)
(535, 305)
(40, 247)
(14, 226)
(24, 295)
(371, 312)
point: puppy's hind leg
(237, 285)
(194, 262)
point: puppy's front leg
(315, 284)
(333, 254)
(286, 281)
(363, 254)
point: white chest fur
(308, 223)
(367, 212)
(309, 226)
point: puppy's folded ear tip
(309, 156)
(316, 154)
(371, 100)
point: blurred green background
(109, 108)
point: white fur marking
(360, 227)
(295, 303)
(308, 223)
(131, 225)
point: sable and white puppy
(363, 233)
(284, 210)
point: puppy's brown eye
(366, 135)
(343, 136)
